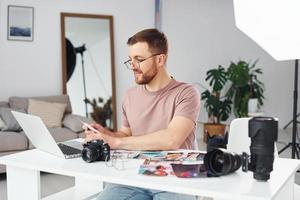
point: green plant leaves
(244, 85)
(238, 73)
(217, 109)
(217, 78)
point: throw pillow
(2, 125)
(9, 120)
(50, 113)
(4, 104)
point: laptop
(40, 137)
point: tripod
(298, 122)
(295, 146)
(80, 50)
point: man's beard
(146, 77)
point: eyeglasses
(129, 63)
(118, 158)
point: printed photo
(174, 156)
(194, 156)
(156, 168)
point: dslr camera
(95, 150)
(263, 132)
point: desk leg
(287, 191)
(22, 183)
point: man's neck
(159, 81)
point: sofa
(13, 139)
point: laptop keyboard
(68, 150)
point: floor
(52, 183)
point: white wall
(202, 35)
(34, 68)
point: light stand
(298, 122)
(295, 146)
(80, 50)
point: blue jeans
(123, 192)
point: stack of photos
(160, 163)
(153, 155)
(156, 168)
(163, 163)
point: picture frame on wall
(20, 23)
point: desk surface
(238, 185)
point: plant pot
(253, 105)
(213, 129)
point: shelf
(75, 193)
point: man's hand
(102, 134)
(92, 136)
(90, 132)
(94, 127)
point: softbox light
(274, 25)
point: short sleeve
(188, 104)
(125, 122)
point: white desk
(23, 179)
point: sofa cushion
(2, 124)
(4, 104)
(12, 141)
(73, 122)
(50, 113)
(59, 135)
(22, 102)
(10, 122)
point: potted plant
(217, 107)
(245, 87)
(102, 114)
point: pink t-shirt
(145, 112)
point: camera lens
(261, 166)
(263, 132)
(89, 155)
(221, 162)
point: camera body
(95, 150)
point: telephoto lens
(95, 150)
(263, 132)
(220, 162)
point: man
(159, 113)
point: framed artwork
(20, 23)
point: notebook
(40, 137)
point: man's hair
(156, 40)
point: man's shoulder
(134, 89)
(185, 87)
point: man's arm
(123, 132)
(166, 139)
